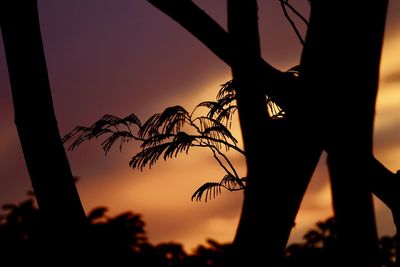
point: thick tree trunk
(354, 214)
(45, 157)
(281, 157)
(342, 55)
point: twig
(294, 10)
(283, 5)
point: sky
(119, 57)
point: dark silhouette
(118, 241)
(315, 99)
(327, 102)
(45, 157)
(329, 105)
(342, 79)
(173, 131)
(38, 132)
(320, 248)
(121, 240)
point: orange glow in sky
(125, 57)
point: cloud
(393, 77)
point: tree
(328, 104)
(347, 136)
(311, 105)
(175, 130)
(320, 248)
(122, 240)
(278, 152)
(36, 123)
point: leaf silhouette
(181, 142)
(172, 132)
(213, 189)
(223, 109)
(171, 120)
(108, 124)
(220, 134)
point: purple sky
(125, 56)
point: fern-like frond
(81, 133)
(181, 142)
(122, 136)
(157, 139)
(220, 134)
(226, 115)
(213, 189)
(233, 183)
(131, 119)
(170, 121)
(148, 156)
(108, 124)
(214, 107)
(227, 88)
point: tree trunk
(342, 53)
(45, 157)
(281, 157)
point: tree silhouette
(122, 240)
(326, 104)
(115, 240)
(330, 70)
(44, 154)
(36, 124)
(174, 131)
(320, 248)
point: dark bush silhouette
(320, 248)
(121, 240)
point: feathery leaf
(171, 120)
(213, 189)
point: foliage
(174, 131)
(320, 248)
(116, 240)
(122, 240)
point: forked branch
(276, 84)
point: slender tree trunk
(45, 157)
(343, 49)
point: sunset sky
(125, 56)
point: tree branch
(291, 22)
(294, 10)
(384, 184)
(234, 147)
(277, 84)
(229, 163)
